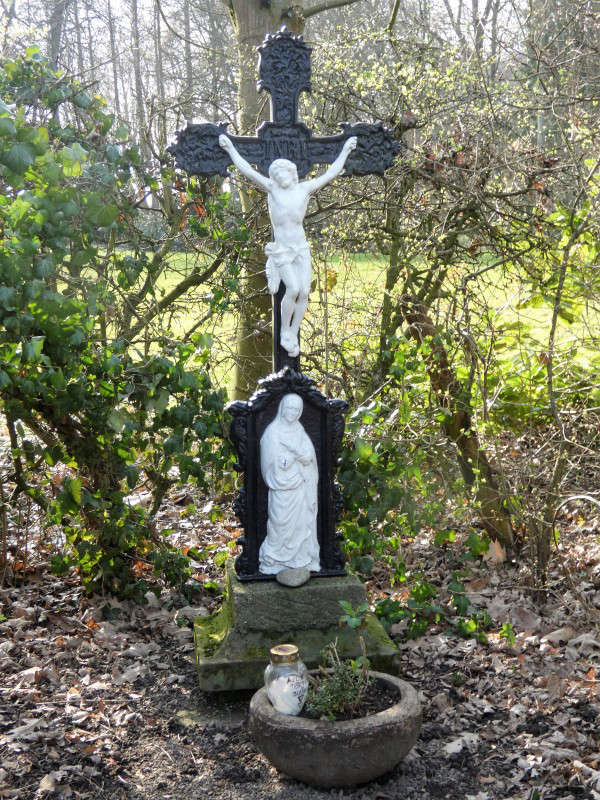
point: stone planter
(328, 754)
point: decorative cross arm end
(376, 148)
(197, 150)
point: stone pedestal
(232, 645)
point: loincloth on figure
(281, 255)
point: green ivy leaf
(117, 420)
(478, 545)
(132, 474)
(7, 298)
(44, 267)
(59, 565)
(78, 337)
(19, 158)
(82, 100)
(106, 215)
(75, 490)
(32, 350)
(122, 133)
(7, 127)
(160, 402)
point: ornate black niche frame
(323, 421)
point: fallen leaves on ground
(99, 697)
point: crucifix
(288, 434)
(283, 151)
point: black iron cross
(284, 71)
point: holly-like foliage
(79, 398)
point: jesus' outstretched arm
(243, 166)
(334, 170)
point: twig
(326, 5)
(393, 15)
(4, 539)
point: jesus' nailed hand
(288, 255)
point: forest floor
(99, 698)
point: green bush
(388, 493)
(74, 391)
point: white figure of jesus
(288, 255)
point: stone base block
(232, 645)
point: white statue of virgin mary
(289, 468)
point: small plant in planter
(350, 740)
(337, 688)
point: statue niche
(287, 437)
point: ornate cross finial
(284, 71)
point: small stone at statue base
(293, 576)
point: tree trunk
(80, 64)
(494, 42)
(215, 35)
(140, 114)
(90, 45)
(396, 261)
(56, 23)
(9, 16)
(252, 20)
(477, 28)
(113, 57)
(188, 105)
(160, 79)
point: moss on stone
(209, 632)
(258, 652)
